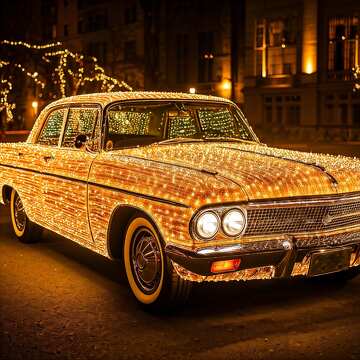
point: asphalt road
(60, 301)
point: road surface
(60, 301)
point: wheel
(150, 274)
(25, 230)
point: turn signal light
(225, 266)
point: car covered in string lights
(180, 189)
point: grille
(302, 218)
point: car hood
(231, 171)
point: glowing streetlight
(192, 90)
(226, 84)
(35, 106)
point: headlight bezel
(220, 212)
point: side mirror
(81, 140)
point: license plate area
(329, 261)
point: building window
(338, 109)
(293, 115)
(130, 50)
(206, 57)
(182, 53)
(93, 22)
(282, 109)
(343, 109)
(268, 114)
(344, 46)
(98, 50)
(275, 46)
(356, 115)
(82, 4)
(130, 15)
(80, 26)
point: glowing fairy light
(356, 75)
(30, 46)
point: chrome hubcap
(146, 260)
(19, 214)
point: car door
(65, 174)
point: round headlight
(234, 222)
(207, 225)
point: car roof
(107, 98)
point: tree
(53, 70)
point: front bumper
(276, 258)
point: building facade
(112, 31)
(298, 68)
(287, 63)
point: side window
(131, 123)
(80, 121)
(50, 133)
(133, 126)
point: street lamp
(35, 106)
(192, 90)
(226, 84)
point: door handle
(48, 158)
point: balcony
(276, 81)
(343, 75)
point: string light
(7, 86)
(30, 46)
(72, 70)
(356, 74)
(77, 75)
(5, 89)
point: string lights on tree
(356, 74)
(58, 72)
(5, 89)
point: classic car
(180, 190)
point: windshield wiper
(178, 140)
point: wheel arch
(6, 193)
(118, 225)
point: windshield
(161, 123)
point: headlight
(207, 225)
(234, 222)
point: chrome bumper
(266, 259)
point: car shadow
(205, 297)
